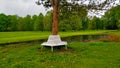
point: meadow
(94, 54)
(78, 55)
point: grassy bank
(116, 32)
(78, 55)
(11, 37)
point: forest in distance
(68, 21)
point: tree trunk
(55, 20)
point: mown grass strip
(12, 37)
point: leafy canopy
(88, 4)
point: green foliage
(68, 21)
(111, 17)
(27, 23)
(38, 23)
(91, 25)
(71, 22)
(118, 24)
(95, 24)
(48, 20)
(64, 25)
(85, 23)
(3, 22)
(13, 22)
(20, 24)
(75, 5)
(75, 22)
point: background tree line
(28, 23)
(68, 21)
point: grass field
(115, 32)
(11, 37)
(78, 55)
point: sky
(25, 7)
(100, 13)
(21, 7)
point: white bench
(54, 40)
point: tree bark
(55, 19)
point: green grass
(78, 55)
(11, 37)
(116, 32)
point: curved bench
(54, 40)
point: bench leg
(52, 48)
(41, 47)
(66, 47)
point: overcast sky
(20, 7)
(23, 7)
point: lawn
(116, 32)
(12, 37)
(78, 55)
